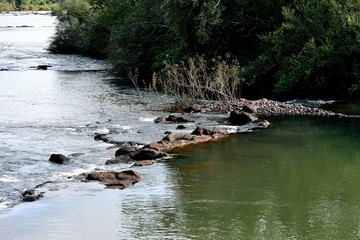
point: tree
(316, 50)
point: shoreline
(242, 112)
(69, 206)
(249, 114)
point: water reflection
(296, 181)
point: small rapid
(56, 111)
(59, 110)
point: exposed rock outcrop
(105, 138)
(266, 107)
(118, 180)
(199, 135)
(158, 150)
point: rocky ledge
(242, 112)
(266, 107)
(118, 180)
(157, 150)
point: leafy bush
(6, 6)
(73, 20)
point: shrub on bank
(306, 48)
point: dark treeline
(282, 49)
(27, 5)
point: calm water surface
(297, 180)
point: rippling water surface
(57, 110)
(298, 179)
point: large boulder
(119, 180)
(250, 108)
(210, 131)
(59, 159)
(148, 154)
(241, 118)
(126, 150)
(119, 159)
(31, 195)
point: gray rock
(31, 195)
(148, 154)
(143, 163)
(59, 159)
(119, 180)
(119, 159)
(209, 131)
(126, 150)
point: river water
(298, 179)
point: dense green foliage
(303, 48)
(27, 5)
(316, 50)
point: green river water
(297, 180)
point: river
(296, 180)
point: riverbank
(268, 108)
(243, 112)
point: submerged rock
(143, 163)
(119, 180)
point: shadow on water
(347, 107)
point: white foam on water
(123, 127)
(149, 119)
(79, 171)
(3, 205)
(71, 129)
(103, 131)
(8, 179)
(230, 129)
